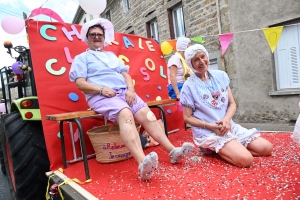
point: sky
(66, 9)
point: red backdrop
(53, 47)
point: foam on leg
(147, 167)
(178, 153)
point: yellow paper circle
(158, 98)
(166, 48)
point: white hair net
(191, 51)
(109, 30)
(182, 43)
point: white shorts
(215, 142)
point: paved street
(270, 127)
(4, 191)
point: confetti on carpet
(199, 177)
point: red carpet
(273, 177)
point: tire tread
(28, 154)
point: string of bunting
(272, 36)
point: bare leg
(153, 128)
(260, 147)
(129, 134)
(147, 119)
(236, 154)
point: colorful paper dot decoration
(169, 111)
(58, 134)
(299, 104)
(73, 97)
(159, 87)
(158, 98)
(147, 96)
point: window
(213, 65)
(215, 62)
(152, 30)
(176, 22)
(126, 5)
(107, 15)
(287, 58)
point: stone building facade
(252, 67)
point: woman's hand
(108, 92)
(215, 128)
(130, 97)
(178, 96)
(224, 126)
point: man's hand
(130, 97)
(108, 92)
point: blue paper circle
(159, 87)
(58, 134)
(147, 96)
(169, 111)
(73, 96)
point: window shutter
(125, 6)
(294, 61)
(281, 61)
(156, 30)
(178, 22)
(287, 58)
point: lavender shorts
(110, 107)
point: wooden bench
(78, 115)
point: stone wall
(254, 68)
(248, 60)
(200, 18)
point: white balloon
(93, 7)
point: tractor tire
(25, 157)
(2, 160)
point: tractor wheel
(25, 157)
(2, 160)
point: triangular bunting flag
(272, 36)
(173, 44)
(198, 39)
(225, 40)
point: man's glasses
(98, 35)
